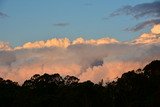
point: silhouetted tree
(8, 92)
(68, 80)
(45, 80)
(152, 69)
(140, 88)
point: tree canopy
(140, 88)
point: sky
(89, 39)
(31, 20)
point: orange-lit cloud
(65, 42)
(151, 37)
(94, 60)
(156, 29)
(5, 46)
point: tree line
(137, 88)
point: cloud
(86, 59)
(149, 38)
(151, 11)
(3, 15)
(5, 46)
(49, 43)
(61, 24)
(156, 29)
(142, 25)
(65, 42)
(140, 10)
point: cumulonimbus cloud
(93, 60)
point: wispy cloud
(61, 24)
(142, 25)
(140, 10)
(151, 11)
(3, 15)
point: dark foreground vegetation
(140, 88)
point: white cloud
(104, 58)
(5, 46)
(65, 42)
(149, 38)
(156, 29)
(95, 42)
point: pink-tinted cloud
(94, 60)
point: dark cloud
(142, 25)
(3, 15)
(96, 63)
(61, 24)
(151, 11)
(140, 10)
(105, 18)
